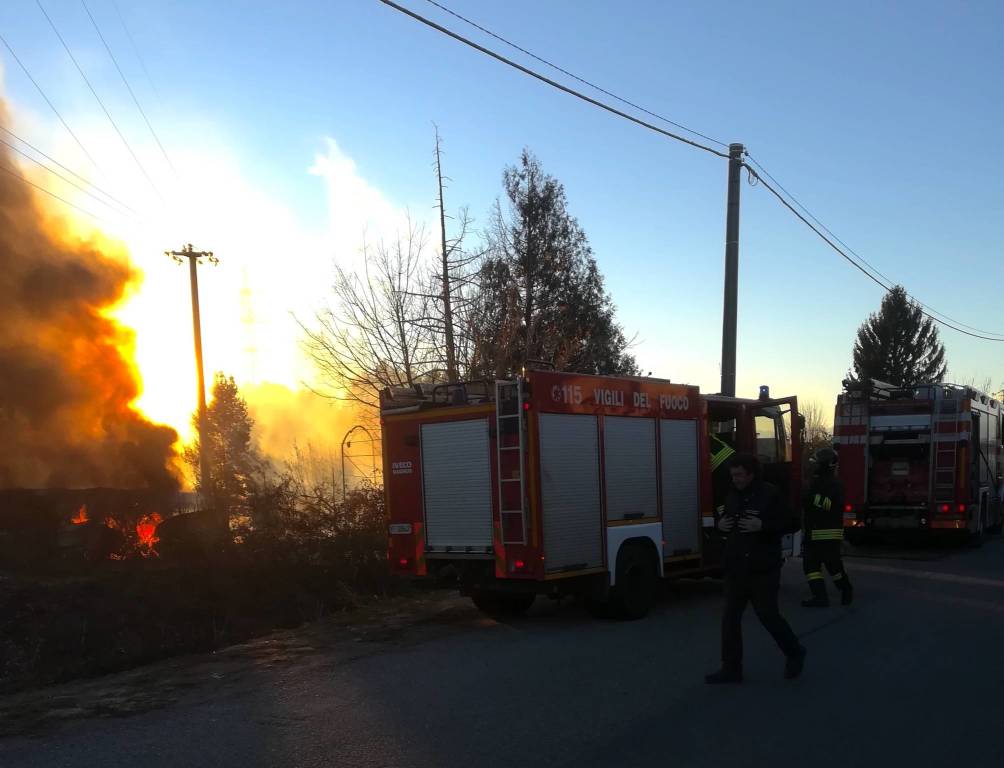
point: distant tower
(248, 323)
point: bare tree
(533, 292)
(444, 254)
(986, 384)
(376, 334)
(818, 430)
(458, 278)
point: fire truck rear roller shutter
(570, 491)
(681, 523)
(457, 484)
(629, 467)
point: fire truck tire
(497, 605)
(637, 583)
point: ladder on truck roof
(511, 450)
(946, 452)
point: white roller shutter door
(681, 523)
(629, 467)
(570, 489)
(456, 481)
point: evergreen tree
(548, 301)
(899, 344)
(233, 459)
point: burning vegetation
(68, 383)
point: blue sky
(884, 119)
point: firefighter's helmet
(825, 458)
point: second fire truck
(924, 458)
(557, 483)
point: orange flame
(146, 530)
(81, 516)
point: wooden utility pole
(194, 259)
(730, 314)
(451, 351)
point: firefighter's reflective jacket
(823, 510)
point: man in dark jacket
(755, 518)
(824, 532)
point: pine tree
(233, 459)
(547, 298)
(899, 344)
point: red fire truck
(558, 483)
(924, 458)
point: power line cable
(63, 200)
(576, 77)
(52, 106)
(858, 256)
(927, 311)
(135, 49)
(853, 261)
(125, 81)
(70, 171)
(60, 176)
(549, 81)
(100, 102)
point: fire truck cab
(558, 483)
(924, 458)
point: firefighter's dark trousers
(814, 557)
(761, 590)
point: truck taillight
(962, 509)
(945, 509)
(848, 508)
(403, 562)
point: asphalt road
(911, 675)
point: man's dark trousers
(760, 589)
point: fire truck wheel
(637, 583)
(496, 605)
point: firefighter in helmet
(823, 530)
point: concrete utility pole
(194, 259)
(731, 311)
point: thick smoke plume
(66, 380)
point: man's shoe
(847, 595)
(724, 677)
(793, 665)
(815, 602)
